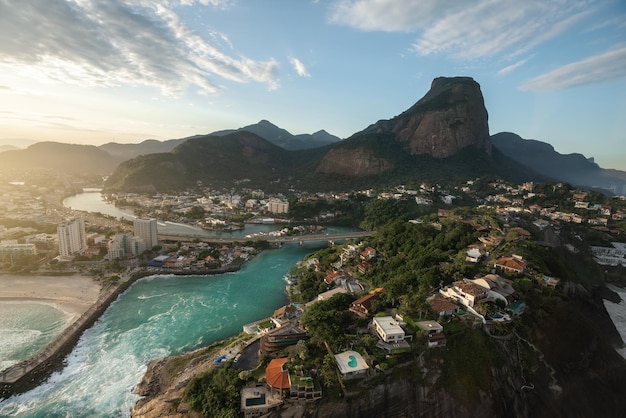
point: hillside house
(442, 306)
(465, 292)
(434, 332)
(351, 365)
(513, 264)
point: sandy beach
(72, 294)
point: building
(277, 206)
(146, 229)
(351, 364)
(434, 332)
(513, 264)
(442, 306)
(11, 247)
(363, 306)
(388, 329)
(72, 237)
(280, 338)
(611, 256)
(125, 245)
(465, 292)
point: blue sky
(92, 71)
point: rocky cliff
(448, 119)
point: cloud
(464, 30)
(121, 42)
(299, 67)
(596, 69)
(509, 69)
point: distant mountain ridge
(574, 168)
(443, 136)
(283, 138)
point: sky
(93, 71)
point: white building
(388, 329)
(11, 247)
(72, 237)
(146, 229)
(125, 245)
(351, 364)
(277, 206)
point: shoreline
(30, 373)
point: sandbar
(73, 294)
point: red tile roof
(275, 376)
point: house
(465, 292)
(364, 267)
(434, 333)
(331, 276)
(285, 314)
(473, 255)
(496, 286)
(442, 306)
(329, 294)
(368, 253)
(257, 401)
(549, 281)
(277, 376)
(363, 306)
(351, 364)
(513, 264)
(388, 329)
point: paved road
(249, 357)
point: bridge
(271, 239)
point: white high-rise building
(72, 237)
(146, 229)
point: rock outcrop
(449, 118)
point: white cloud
(509, 69)
(299, 67)
(121, 42)
(596, 69)
(465, 30)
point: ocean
(26, 328)
(157, 316)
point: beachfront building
(72, 237)
(146, 229)
(125, 245)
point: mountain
(7, 148)
(451, 117)
(284, 138)
(66, 158)
(237, 157)
(124, 152)
(575, 169)
(443, 137)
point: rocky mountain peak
(450, 117)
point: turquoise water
(157, 316)
(26, 328)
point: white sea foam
(617, 312)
